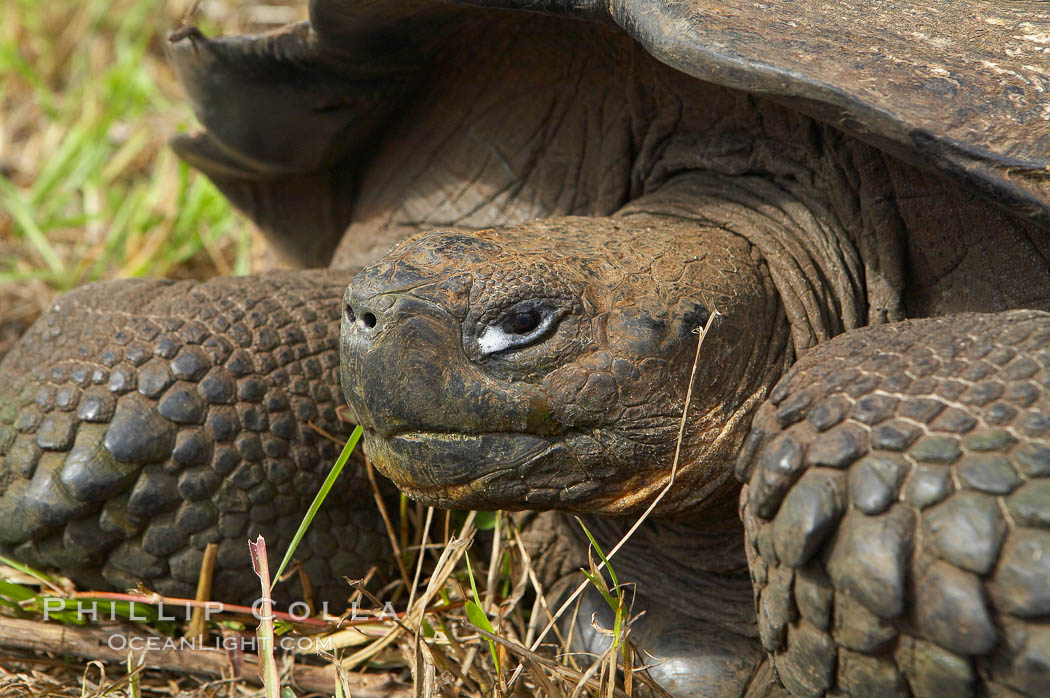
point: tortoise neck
(696, 567)
(812, 261)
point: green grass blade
(600, 586)
(43, 578)
(476, 614)
(485, 520)
(598, 549)
(11, 200)
(351, 443)
(15, 592)
(615, 604)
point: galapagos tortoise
(854, 195)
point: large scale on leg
(898, 509)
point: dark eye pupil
(521, 323)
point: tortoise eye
(522, 322)
(525, 324)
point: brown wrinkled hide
(587, 417)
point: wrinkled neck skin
(812, 261)
(809, 268)
(729, 370)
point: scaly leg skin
(898, 511)
(141, 420)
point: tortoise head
(546, 365)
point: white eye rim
(495, 339)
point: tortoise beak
(403, 369)
(433, 420)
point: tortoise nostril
(350, 317)
(368, 321)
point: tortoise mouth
(453, 469)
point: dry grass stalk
(267, 661)
(196, 628)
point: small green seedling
(616, 604)
(477, 615)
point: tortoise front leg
(897, 509)
(141, 420)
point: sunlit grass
(88, 188)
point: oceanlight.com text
(136, 643)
